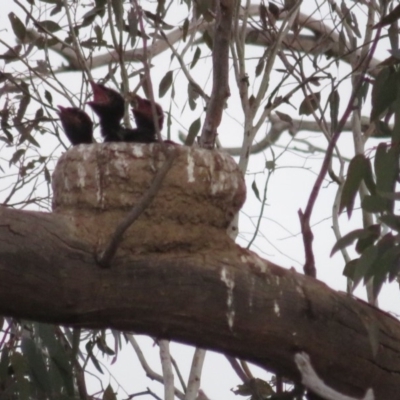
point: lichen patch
(190, 167)
(229, 281)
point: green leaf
(57, 9)
(270, 165)
(37, 366)
(89, 349)
(380, 267)
(369, 176)
(255, 190)
(208, 40)
(196, 57)
(392, 221)
(109, 393)
(334, 101)
(4, 363)
(16, 156)
(347, 240)
(165, 83)
(102, 345)
(19, 365)
(370, 235)
(384, 92)
(355, 174)
(17, 26)
(260, 66)
(49, 25)
(48, 97)
(47, 175)
(193, 131)
(284, 117)
(256, 388)
(310, 103)
(11, 55)
(386, 170)
(374, 204)
(364, 263)
(192, 96)
(383, 129)
(118, 12)
(58, 355)
(388, 19)
(350, 268)
(185, 29)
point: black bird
(143, 114)
(77, 125)
(108, 105)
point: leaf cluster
(378, 244)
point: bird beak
(99, 94)
(62, 109)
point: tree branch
(48, 274)
(220, 56)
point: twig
(144, 393)
(149, 372)
(312, 381)
(189, 77)
(195, 374)
(112, 246)
(220, 57)
(146, 66)
(238, 368)
(178, 372)
(165, 357)
(77, 49)
(261, 213)
(120, 52)
(309, 265)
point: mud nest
(96, 185)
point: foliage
(278, 73)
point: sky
(279, 240)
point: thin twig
(178, 372)
(186, 72)
(77, 49)
(238, 368)
(195, 374)
(147, 369)
(309, 265)
(312, 381)
(112, 246)
(146, 66)
(166, 365)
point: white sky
(280, 240)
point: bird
(143, 113)
(77, 125)
(109, 106)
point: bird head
(77, 124)
(74, 116)
(142, 112)
(106, 102)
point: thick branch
(260, 312)
(220, 56)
